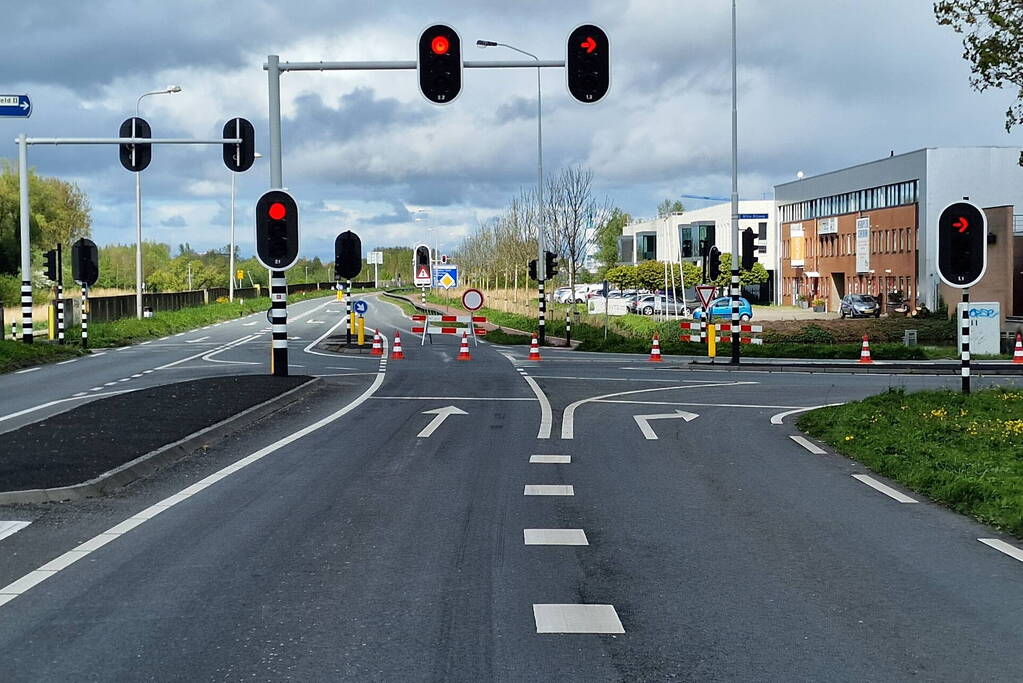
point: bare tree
(573, 216)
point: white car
(563, 295)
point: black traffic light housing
(749, 249)
(420, 260)
(962, 244)
(277, 230)
(143, 152)
(550, 265)
(51, 265)
(533, 275)
(588, 63)
(85, 262)
(714, 264)
(347, 255)
(239, 157)
(439, 64)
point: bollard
(362, 330)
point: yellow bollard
(340, 295)
(362, 330)
(351, 321)
(712, 343)
(51, 322)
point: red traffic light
(589, 44)
(277, 211)
(440, 45)
(962, 224)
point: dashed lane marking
(554, 537)
(883, 488)
(568, 618)
(777, 419)
(65, 362)
(548, 490)
(807, 444)
(10, 528)
(550, 459)
(1003, 547)
(22, 372)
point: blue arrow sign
(15, 105)
(360, 307)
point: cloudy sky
(822, 85)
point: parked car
(859, 306)
(563, 295)
(722, 308)
(648, 304)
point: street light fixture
(230, 262)
(541, 238)
(138, 204)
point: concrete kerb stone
(150, 462)
(877, 368)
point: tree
(573, 213)
(992, 43)
(668, 207)
(607, 236)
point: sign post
(706, 294)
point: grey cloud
(177, 221)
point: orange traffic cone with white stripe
(655, 350)
(396, 352)
(463, 350)
(865, 351)
(1017, 355)
(534, 349)
(378, 349)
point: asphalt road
(408, 525)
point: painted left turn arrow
(644, 421)
(442, 414)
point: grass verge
(965, 452)
(15, 355)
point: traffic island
(110, 442)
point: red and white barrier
(426, 327)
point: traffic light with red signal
(588, 63)
(962, 244)
(277, 230)
(439, 64)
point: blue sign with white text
(15, 105)
(445, 276)
(752, 216)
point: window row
(897, 194)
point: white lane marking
(79, 394)
(568, 417)
(453, 398)
(22, 372)
(883, 488)
(124, 379)
(554, 537)
(146, 342)
(1003, 547)
(10, 528)
(193, 341)
(33, 578)
(550, 459)
(548, 490)
(109, 384)
(682, 403)
(341, 374)
(807, 444)
(577, 619)
(136, 376)
(97, 355)
(197, 355)
(96, 389)
(181, 334)
(209, 356)
(440, 414)
(643, 421)
(546, 414)
(146, 372)
(254, 322)
(777, 419)
(122, 348)
(610, 379)
(65, 362)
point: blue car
(722, 308)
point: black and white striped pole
(348, 314)
(735, 201)
(85, 316)
(542, 323)
(279, 323)
(60, 294)
(568, 326)
(965, 332)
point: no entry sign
(472, 300)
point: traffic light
(749, 249)
(962, 244)
(714, 264)
(85, 262)
(143, 153)
(439, 64)
(550, 265)
(347, 255)
(277, 230)
(588, 63)
(422, 271)
(533, 275)
(51, 265)
(239, 157)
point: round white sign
(472, 300)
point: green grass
(15, 355)
(965, 452)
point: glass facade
(886, 196)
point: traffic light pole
(735, 203)
(279, 323)
(965, 332)
(60, 293)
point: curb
(154, 460)
(873, 369)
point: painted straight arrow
(442, 414)
(644, 421)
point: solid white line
(577, 619)
(554, 537)
(546, 414)
(22, 372)
(65, 362)
(9, 528)
(197, 355)
(193, 341)
(548, 490)
(777, 419)
(608, 379)
(33, 578)
(670, 403)
(550, 459)
(1003, 547)
(568, 417)
(41, 406)
(883, 488)
(807, 444)
(451, 398)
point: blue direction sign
(445, 276)
(15, 105)
(360, 307)
(752, 216)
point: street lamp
(138, 204)
(541, 239)
(230, 263)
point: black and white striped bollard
(60, 313)
(542, 323)
(85, 316)
(568, 326)
(279, 323)
(26, 311)
(735, 315)
(965, 332)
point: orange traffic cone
(1017, 355)
(655, 350)
(534, 349)
(378, 349)
(865, 351)
(397, 353)
(463, 350)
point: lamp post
(230, 266)
(541, 239)
(138, 204)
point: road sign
(752, 216)
(360, 307)
(239, 274)
(472, 300)
(446, 276)
(706, 294)
(962, 244)
(15, 105)
(375, 258)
